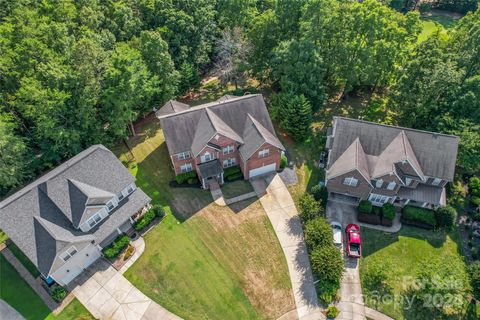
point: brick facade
(256, 162)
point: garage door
(262, 170)
(76, 264)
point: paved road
(108, 295)
(283, 215)
(7, 312)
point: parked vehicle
(354, 247)
(337, 234)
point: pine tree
(297, 117)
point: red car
(354, 248)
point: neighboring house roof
(191, 129)
(432, 154)
(172, 106)
(42, 217)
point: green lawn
(433, 24)
(3, 236)
(205, 261)
(17, 293)
(24, 260)
(236, 188)
(401, 253)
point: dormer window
(351, 181)
(94, 220)
(436, 182)
(391, 185)
(408, 181)
(120, 196)
(68, 254)
(110, 205)
(379, 183)
(130, 189)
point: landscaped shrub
(319, 193)
(283, 161)
(419, 217)
(114, 249)
(231, 171)
(309, 208)
(183, 177)
(476, 216)
(192, 181)
(332, 312)
(365, 206)
(475, 201)
(474, 272)
(318, 233)
(327, 265)
(58, 293)
(388, 211)
(145, 220)
(128, 252)
(235, 176)
(158, 210)
(474, 186)
(446, 216)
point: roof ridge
(398, 127)
(52, 173)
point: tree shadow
(242, 205)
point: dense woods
(75, 73)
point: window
(408, 181)
(120, 196)
(228, 150)
(350, 182)
(94, 220)
(206, 157)
(186, 167)
(183, 155)
(379, 183)
(68, 254)
(391, 185)
(228, 162)
(378, 198)
(436, 182)
(110, 205)
(264, 153)
(130, 189)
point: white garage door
(265, 169)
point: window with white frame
(350, 181)
(69, 253)
(228, 162)
(436, 182)
(408, 181)
(110, 205)
(379, 183)
(228, 149)
(206, 157)
(183, 155)
(130, 188)
(264, 153)
(378, 198)
(94, 220)
(186, 167)
(391, 185)
(120, 196)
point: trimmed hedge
(114, 249)
(231, 171)
(283, 161)
(368, 213)
(365, 206)
(419, 217)
(148, 217)
(446, 216)
(183, 177)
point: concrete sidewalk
(283, 215)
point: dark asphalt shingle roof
(41, 217)
(172, 106)
(210, 168)
(435, 154)
(424, 193)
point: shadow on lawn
(242, 205)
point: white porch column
(407, 201)
(119, 231)
(131, 220)
(424, 204)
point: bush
(192, 181)
(158, 210)
(426, 217)
(365, 206)
(183, 177)
(231, 171)
(476, 217)
(283, 161)
(318, 233)
(144, 221)
(474, 272)
(319, 193)
(475, 201)
(474, 186)
(309, 208)
(58, 293)
(114, 249)
(328, 291)
(235, 176)
(388, 211)
(446, 216)
(332, 312)
(327, 265)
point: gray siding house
(62, 220)
(383, 163)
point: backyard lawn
(400, 254)
(17, 293)
(432, 24)
(205, 261)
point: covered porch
(210, 173)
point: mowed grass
(402, 254)
(204, 261)
(24, 260)
(18, 294)
(433, 24)
(236, 188)
(3, 236)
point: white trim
(438, 183)
(183, 154)
(188, 167)
(377, 182)
(350, 180)
(232, 150)
(206, 145)
(390, 186)
(422, 177)
(261, 153)
(345, 172)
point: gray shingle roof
(188, 129)
(435, 153)
(424, 193)
(210, 168)
(255, 135)
(353, 158)
(40, 218)
(172, 106)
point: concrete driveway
(108, 295)
(283, 215)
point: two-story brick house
(385, 163)
(228, 132)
